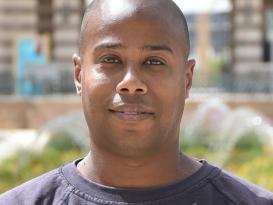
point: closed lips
(132, 112)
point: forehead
(134, 19)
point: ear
(77, 73)
(189, 75)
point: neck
(157, 170)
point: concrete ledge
(34, 112)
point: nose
(131, 84)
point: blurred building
(210, 35)
(252, 32)
(58, 20)
(233, 45)
(252, 43)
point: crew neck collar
(93, 191)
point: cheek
(172, 90)
(172, 98)
(96, 78)
(97, 87)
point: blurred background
(228, 118)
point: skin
(133, 78)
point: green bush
(26, 165)
(248, 159)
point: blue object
(26, 54)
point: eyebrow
(109, 46)
(158, 48)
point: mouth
(132, 115)
(131, 112)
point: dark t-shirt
(209, 185)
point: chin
(132, 143)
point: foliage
(27, 165)
(249, 159)
(62, 141)
(257, 169)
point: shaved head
(96, 10)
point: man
(133, 75)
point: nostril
(139, 90)
(124, 90)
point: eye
(154, 61)
(110, 60)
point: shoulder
(41, 190)
(240, 190)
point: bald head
(160, 8)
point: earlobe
(77, 73)
(189, 75)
